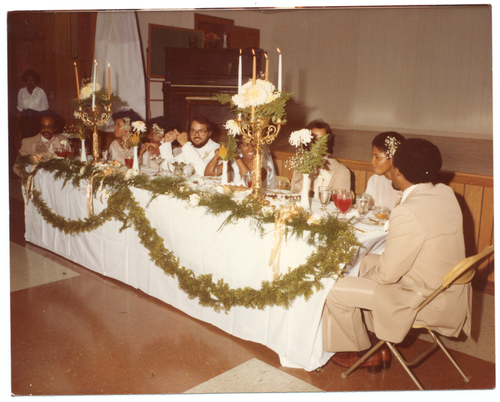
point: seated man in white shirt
(197, 146)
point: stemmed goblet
(344, 202)
(325, 194)
(362, 204)
(158, 159)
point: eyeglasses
(201, 132)
(47, 126)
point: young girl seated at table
(159, 130)
(379, 185)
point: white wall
(424, 70)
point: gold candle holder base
(258, 131)
(96, 117)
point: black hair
(164, 123)
(33, 74)
(418, 160)
(322, 125)
(201, 120)
(130, 113)
(380, 141)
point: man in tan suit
(46, 140)
(424, 241)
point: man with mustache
(197, 146)
(46, 140)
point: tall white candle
(94, 78)
(240, 73)
(280, 72)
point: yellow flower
(222, 152)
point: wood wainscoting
(474, 194)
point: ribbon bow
(281, 218)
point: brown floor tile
(93, 335)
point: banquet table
(235, 253)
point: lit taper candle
(280, 72)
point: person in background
(159, 130)
(332, 174)
(379, 186)
(244, 164)
(197, 147)
(424, 242)
(31, 101)
(123, 120)
(46, 141)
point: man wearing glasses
(197, 146)
(46, 140)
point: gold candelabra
(96, 117)
(258, 131)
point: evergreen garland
(335, 243)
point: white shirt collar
(407, 192)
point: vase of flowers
(138, 128)
(308, 156)
(227, 152)
(83, 153)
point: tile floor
(74, 332)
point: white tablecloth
(237, 254)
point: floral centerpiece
(306, 160)
(227, 150)
(260, 108)
(100, 97)
(267, 101)
(308, 157)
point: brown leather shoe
(386, 356)
(347, 359)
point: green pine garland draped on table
(335, 243)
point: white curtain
(117, 42)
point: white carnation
(232, 127)
(194, 200)
(298, 137)
(139, 126)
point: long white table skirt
(236, 254)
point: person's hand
(182, 138)
(171, 136)
(212, 168)
(154, 149)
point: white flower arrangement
(87, 91)
(255, 95)
(300, 137)
(268, 210)
(232, 127)
(306, 160)
(194, 200)
(313, 219)
(131, 173)
(139, 126)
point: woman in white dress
(379, 185)
(123, 120)
(244, 164)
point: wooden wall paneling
(486, 232)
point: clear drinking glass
(325, 195)
(362, 204)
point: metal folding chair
(461, 273)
